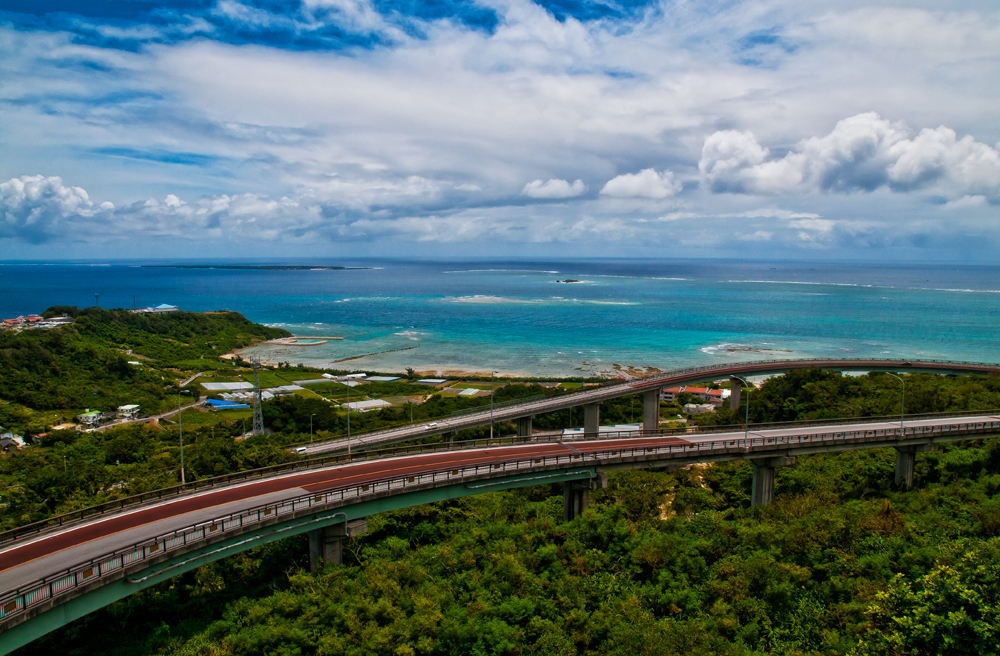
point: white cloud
(35, 209)
(862, 153)
(759, 235)
(430, 135)
(555, 188)
(647, 183)
(966, 202)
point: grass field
(197, 419)
(203, 365)
(277, 379)
(17, 417)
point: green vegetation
(813, 394)
(662, 563)
(67, 470)
(86, 364)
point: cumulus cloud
(647, 183)
(370, 122)
(862, 153)
(554, 188)
(34, 208)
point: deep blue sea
(516, 317)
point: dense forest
(86, 364)
(664, 562)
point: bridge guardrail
(502, 404)
(608, 389)
(18, 601)
(319, 462)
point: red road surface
(314, 481)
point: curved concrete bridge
(55, 571)
(649, 387)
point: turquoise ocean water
(518, 317)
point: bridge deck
(37, 571)
(638, 386)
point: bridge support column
(906, 457)
(763, 478)
(449, 437)
(592, 419)
(524, 426)
(735, 390)
(326, 545)
(576, 495)
(651, 411)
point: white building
(128, 411)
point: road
(142, 420)
(606, 392)
(31, 559)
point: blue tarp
(225, 405)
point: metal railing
(20, 600)
(613, 388)
(502, 404)
(320, 462)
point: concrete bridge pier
(906, 457)
(592, 419)
(763, 478)
(449, 437)
(524, 426)
(735, 390)
(651, 411)
(576, 495)
(326, 545)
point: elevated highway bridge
(55, 571)
(649, 387)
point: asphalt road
(30, 561)
(27, 561)
(598, 394)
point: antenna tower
(258, 417)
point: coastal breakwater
(300, 341)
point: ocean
(522, 317)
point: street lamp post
(311, 427)
(180, 429)
(491, 403)
(746, 420)
(348, 417)
(902, 398)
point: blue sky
(762, 129)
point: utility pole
(311, 427)
(746, 421)
(491, 403)
(902, 399)
(258, 417)
(180, 429)
(348, 417)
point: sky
(760, 129)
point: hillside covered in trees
(86, 364)
(664, 562)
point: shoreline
(275, 352)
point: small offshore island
(663, 561)
(253, 267)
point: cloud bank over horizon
(654, 129)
